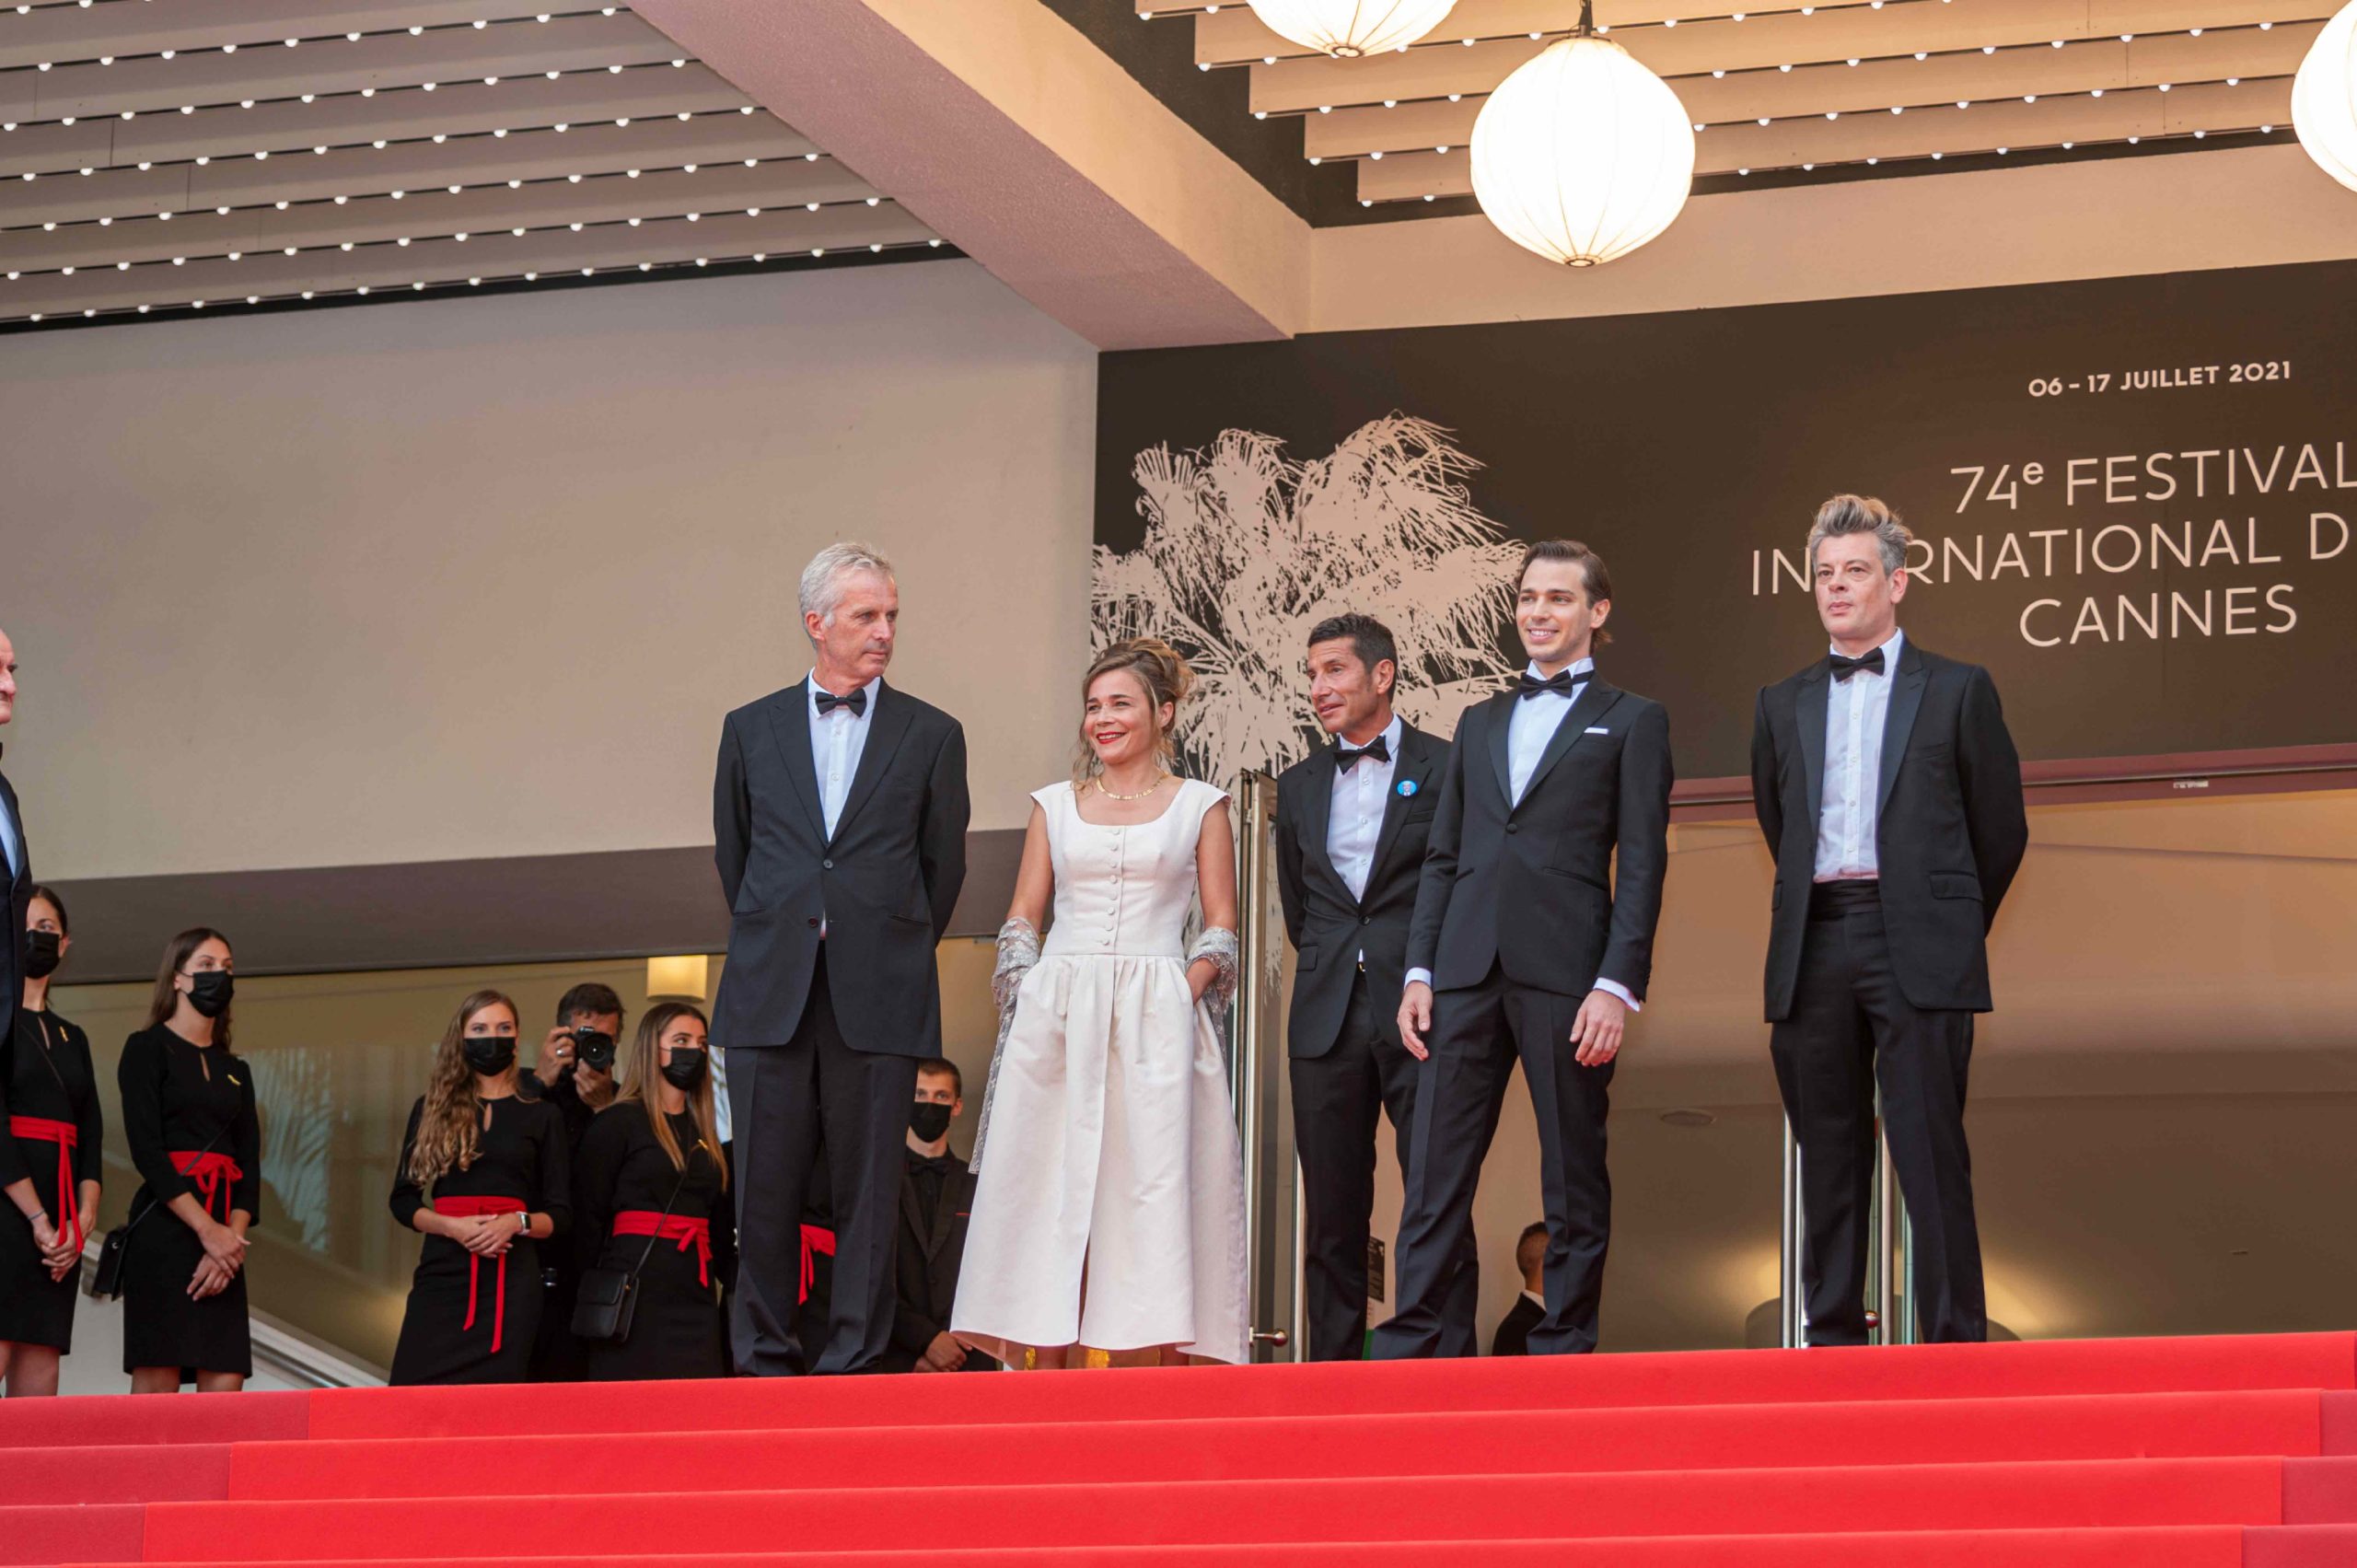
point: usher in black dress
(49, 1134)
(471, 1320)
(188, 1114)
(619, 1191)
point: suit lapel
(885, 732)
(1596, 700)
(792, 719)
(945, 1213)
(1321, 810)
(11, 828)
(1415, 764)
(910, 1214)
(1905, 698)
(1808, 713)
(1498, 714)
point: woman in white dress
(1108, 1225)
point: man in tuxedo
(1524, 946)
(839, 817)
(1891, 797)
(1529, 1308)
(936, 1200)
(15, 860)
(1352, 821)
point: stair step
(118, 1420)
(131, 1473)
(2266, 1422)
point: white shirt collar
(1889, 651)
(811, 689)
(1581, 669)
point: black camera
(594, 1048)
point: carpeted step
(113, 1419)
(105, 1532)
(2074, 1494)
(135, 1472)
(2301, 1546)
(1915, 1372)
(2210, 1546)
(2264, 1423)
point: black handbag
(105, 1281)
(608, 1298)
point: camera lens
(595, 1049)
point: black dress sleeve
(245, 1143)
(555, 1199)
(13, 1169)
(89, 1117)
(408, 1196)
(724, 1226)
(596, 1169)
(141, 1076)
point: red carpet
(2214, 1453)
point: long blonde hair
(645, 1070)
(1163, 671)
(451, 1129)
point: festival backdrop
(2134, 502)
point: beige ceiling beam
(77, 32)
(378, 60)
(706, 141)
(1947, 132)
(549, 254)
(1234, 36)
(436, 214)
(1022, 144)
(2105, 65)
(1764, 43)
(456, 109)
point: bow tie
(1379, 749)
(1845, 667)
(1560, 683)
(856, 703)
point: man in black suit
(839, 815)
(1529, 1308)
(1352, 826)
(1891, 797)
(1524, 946)
(15, 860)
(936, 1200)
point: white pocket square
(1597, 729)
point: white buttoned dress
(1110, 1211)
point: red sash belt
(65, 1134)
(213, 1174)
(462, 1208)
(672, 1228)
(816, 1239)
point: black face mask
(41, 955)
(489, 1054)
(686, 1068)
(210, 990)
(929, 1120)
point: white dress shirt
(1532, 725)
(1856, 711)
(837, 737)
(1354, 826)
(12, 840)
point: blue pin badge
(1407, 787)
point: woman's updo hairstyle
(1158, 668)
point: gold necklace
(1159, 779)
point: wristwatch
(523, 1226)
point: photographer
(575, 1071)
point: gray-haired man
(1891, 797)
(838, 819)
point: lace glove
(1019, 950)
(1219, 945)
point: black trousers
(1337, 1099)
(790, 1105)
(1478, 1032)
(1851, 1026)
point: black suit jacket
(1948, 836)
(1328, 926)
(20, 896)
(885, 883)
(1530, 886)
(927, 1258)
(1513, 1337)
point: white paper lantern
(2324, 98)
(1582, 155)
(1352, 27)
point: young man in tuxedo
(936, 1200)
(1351, 824)
(1524, 945)
(838, 821)
(1529, 1308)
(1891, 797)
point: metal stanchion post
(1791, 1319)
